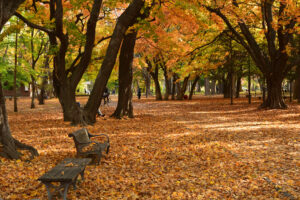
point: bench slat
(69, 172)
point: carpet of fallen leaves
(199, 149)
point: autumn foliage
(199, 149)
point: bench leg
(64, 186)
(66, 191)
(48, 188)
(82, 175)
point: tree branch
(207, 44)
(32, 25)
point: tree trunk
(7, 9)
(32, 92)
(175, 77)
(297, 85)
(124, 106)
(274, 98)
(127, 18)
(193, 87)
(182, 90)
(226, 86)
(238, 87)
(212, 87)
(199, 86)
(147, 79)
(206, 86)
(154, 75)
(220, 87)
(44, 81)
(15, 74)
(71, 111)
(167, 82)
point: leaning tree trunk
(182, 90)
(124, 106)
(193, 87)
(274, 98)
(127, 19)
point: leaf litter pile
(199, 149)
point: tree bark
(213, 87)
(182, 89)
(274, 97)
(175, 78)
(124, 106)
(154, 75)
(44, 81)
(33, 66)
(193, 87)
(167, 80)
(297, 85)
(127, 19)
(15, 74)
(206, 86)
(199, 86)
(7, 9)
(238, 87)
(147, 79)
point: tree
(10, 144)
(34, 60)
(127, 19)
(66, 75)
(15, 74)
(153, 71)
(124, 106)
(195, 81)
(277, 21)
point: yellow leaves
(170, 150)
(177, 195)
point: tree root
(273, 106)
(23, 146)
(11, 153)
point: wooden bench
(87, 148)
(65, 173)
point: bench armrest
(91, 135)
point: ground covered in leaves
(199, 149)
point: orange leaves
(199, 149)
